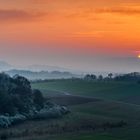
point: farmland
(99, 110)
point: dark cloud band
(13, 14)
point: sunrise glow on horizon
(139, 56)
(69, 32)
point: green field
(92, 105)
(118, 91)
(117, 101)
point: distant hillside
(42, 74)
(37, 67)
(45, 68)
(5, 66)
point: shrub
(5, 121)
(18, 118)
(38, 99)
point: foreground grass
(83, 123)
(76, 137)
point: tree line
(135, 76)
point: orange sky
(105, 27)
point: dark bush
(18, 102)
(38, 99)
(16, 95)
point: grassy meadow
(99, 111)
(109, 90)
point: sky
(86, 35)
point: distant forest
(31, 75)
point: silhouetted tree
(90, 77)
(100, 77)
(93, 77)
(16, 95)
(38, 99)
(22, 87)
(110, 75)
